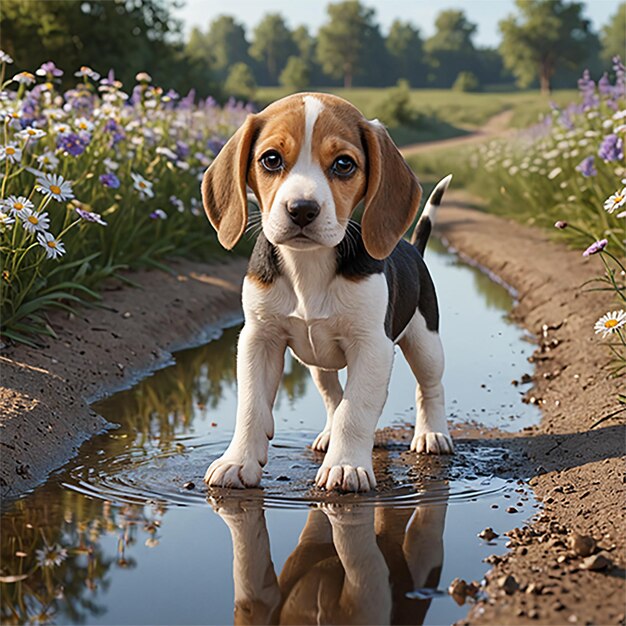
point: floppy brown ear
(224, 185)
(392, 196)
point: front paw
(432, 443)
(321, 441)
(345, 477)
(232, 472)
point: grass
(453, 113)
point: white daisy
(166, 152)
(5, 58)
(54, 247)
(615, 201)
(24, 78)
(11, 152)
(55, 186)
(32, 134)
(62, 128)
(622, 214)
(110, 164)
(143, 77)
(17, 204)
(82, 123)
(6, 220)
(51, 556)
(88, 72)
(143, 186)
(610, 322)
(48, 160)
(34, 222)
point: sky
(485, 13)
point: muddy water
(125, 533)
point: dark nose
(303, 212)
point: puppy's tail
(427, 218)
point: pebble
(458, 591)
(582, 545)
(508, 584)
(511, 509)
(596, 562)
(189, 485)
(488, 534)
(533, 614)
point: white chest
(319, 324)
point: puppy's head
(310, 159)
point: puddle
(118, 537)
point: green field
(450, 113)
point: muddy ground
(575, 456)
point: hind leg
(423, 350)
(327, 382)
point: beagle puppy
(335, 292)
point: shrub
(466, 81)
(240, 83)
(396, 108)
(296, 74)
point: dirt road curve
(496, 126)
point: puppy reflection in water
(352, 565)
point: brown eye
(272, 161)
(343, 166)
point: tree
(341, 40)
(79, 32)
(227, 43)
(272, 44)
(613, 35)
(451, 49)
(296, 74)
(547, 35)
(240, 82)
(406, 51)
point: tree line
(545, 42)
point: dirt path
(45, 394)
(576, 453)
(495, 126)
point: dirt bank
(45, 394)
(576, 453)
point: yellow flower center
(52, 244)
(142, 184)
(30, 131)
(618, 199)
(33, 219)
(82, 125)
(612, 323)
(55, 189)
(10, 150)
(18, 206)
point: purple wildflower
(111, 126)
(587, 88)
(50, 70)
(182, 149)
(595, 247)
(110, 180)
(188, 100)
(90, 216)
(159, 214)
(611, 149)
(215, 145)
(586, 167)
(73, 143)
(604, 85)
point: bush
(396, 110)
(466, 82)
(240, 82)
(296, 74)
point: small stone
(508, 584)
(126, 315)
(511, 509)
(596, 562)
(189, 485)
(473, 588)
(533, 614)
(488, 534)
(582, 545)
(458, 591)
(534, 588)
